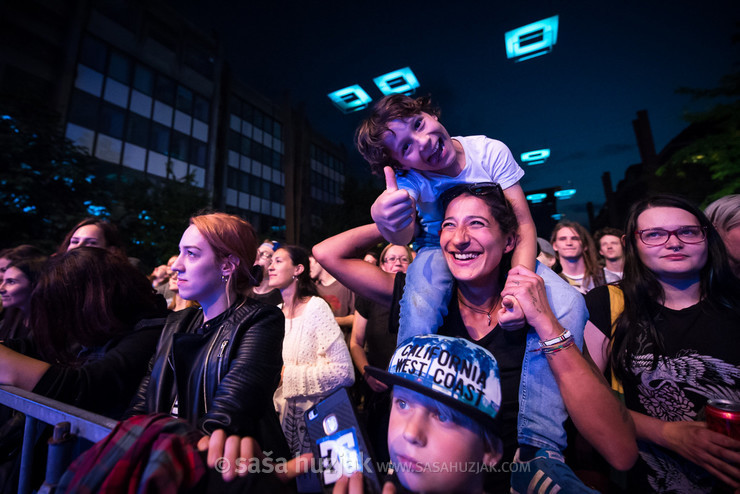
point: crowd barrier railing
(71, 424)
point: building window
(144, 80)
(119, 68)
(93, 54)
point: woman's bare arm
(341, 255)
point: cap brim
(393, 380)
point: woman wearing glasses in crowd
(477, 237)
(263, 291)
(372, 344)
(674, 345)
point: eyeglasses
(265, 255)
(478, 189)
(686, 234)
(403, 260)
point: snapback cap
(546, 247)
(454, 371)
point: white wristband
(558, 339)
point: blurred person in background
(724, 213)
(577, 256)
(264, 292)
(22, 267)
(373, 344)
(609, 241)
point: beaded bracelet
(548, 350)
(558, 339)
(554, 345)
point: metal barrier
(70, 424)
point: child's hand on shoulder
(394, 211)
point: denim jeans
(541, 408)
(426, 294)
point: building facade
(149, 93)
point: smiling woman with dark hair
(20, 273)
(543, 374)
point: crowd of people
(483, 345)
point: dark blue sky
(611, 60)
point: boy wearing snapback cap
(446, 394)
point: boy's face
(568, 243)
(610, 247)
(429, 451)
(421, 143)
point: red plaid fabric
(144, 454)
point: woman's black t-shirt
(700, 360)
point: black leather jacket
(223, 373)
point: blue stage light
(532, 40)
(399, 81)
(350, 99)
(536, 198)
(565, 194)
(535, 157)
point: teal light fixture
(536, 157)
(399, 81)
(532, 40)
(350, 99)
(565, 193)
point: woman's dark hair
(113, 240)
(84, 298)
(593, 268)
(499, 207)
(24, 251)
(635, 331)
(305, 287)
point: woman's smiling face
(472, 241)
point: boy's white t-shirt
(486, 160)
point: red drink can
(723, 416)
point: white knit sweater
(315, 355)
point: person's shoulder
(557, 287)
(481, 141)
(317, 303)
(552, 279)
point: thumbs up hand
(394, 211)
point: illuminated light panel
(399, 81)
(557, 216)
(535, 198)
(565, 194)
(535, 157)
(350, 99)
(532, 40)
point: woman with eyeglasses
(674, 345)
(372, 344)
(543, 374)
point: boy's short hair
(452, 371)
(607, 230)
(369, 135)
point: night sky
(611, 60)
